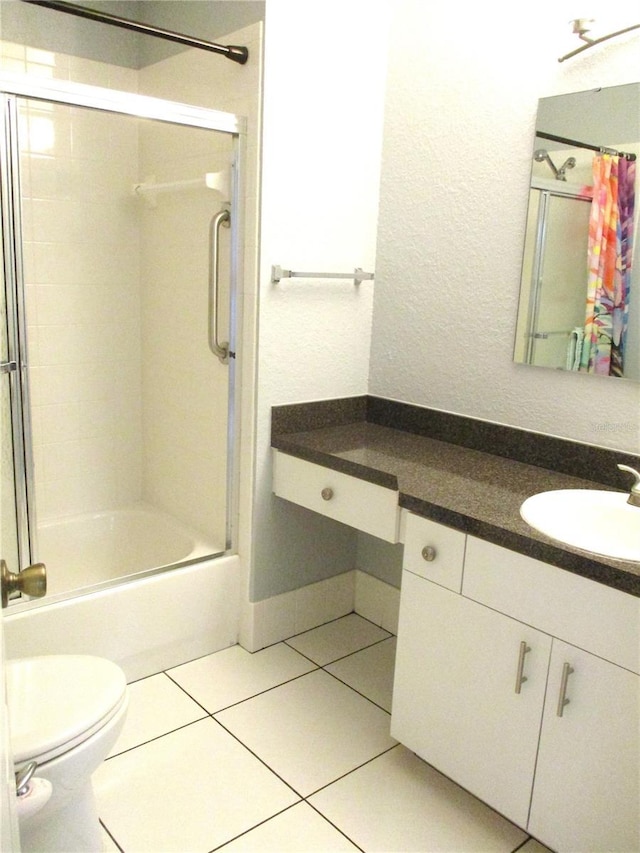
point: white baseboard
(377, 601)
(282, 616)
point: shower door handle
(31, 581)
(221, 350)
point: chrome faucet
(634, 495)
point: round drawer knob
(429, 553)
(327, 493)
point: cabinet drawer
(365, 506)
(434, 552)
(595, 617)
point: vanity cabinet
(586, 794)
(491, 689)
(433, 551)
(455, 702)
(358, 503)
(518, 680)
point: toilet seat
(58, 701)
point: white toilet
(65, 713)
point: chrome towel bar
(357, 276)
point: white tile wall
(82, 314)
(107, 438)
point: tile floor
(287, 749)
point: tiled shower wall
(184, 386)
(81, 248)
(100, 439)
(178, 444)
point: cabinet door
(455, 702)
(586, 794)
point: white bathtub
(144, 622)
(95, 548)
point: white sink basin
(600, 522)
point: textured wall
(461, 103)
(323, 96)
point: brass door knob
(31, 581)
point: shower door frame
(547, 190)
(13, 87)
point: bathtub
(110, 597)
(107, 546)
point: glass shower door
(559, 278)
(9, 550)
(128, 406)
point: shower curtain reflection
(128, 405)
(610, 253)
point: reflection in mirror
(579, 304)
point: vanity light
(580, 27)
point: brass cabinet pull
(429, 553)
(327, 493)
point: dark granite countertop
(472, 490)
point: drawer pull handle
(327, 493)
(567, 669)
(520, 676)
(429, 553)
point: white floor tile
(191, 790)
(156, 706)
(369, 671)
(533, 846)
(232, 675)
(399, 803)
(108, 844)
(311, 730)
(284, 834)
(337, 639)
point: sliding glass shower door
(558, 276)
(125, 416)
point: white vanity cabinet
(586, 791)
(518, 680)
(358, 503)
(481, 682)
(455, 702)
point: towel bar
(358, 276)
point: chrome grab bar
(221, 350)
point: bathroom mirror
(552, 322)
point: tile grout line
(158, 737)
(348, 654)
(208, 714)
(261, 760)
(349, 772)
(108, 831)
(251, 828)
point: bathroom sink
(600, 522)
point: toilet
(65, 713)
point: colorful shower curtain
(610, 254)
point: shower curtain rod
(574, 142)
(234, 52)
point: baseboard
(282, 616)
(377, 601)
